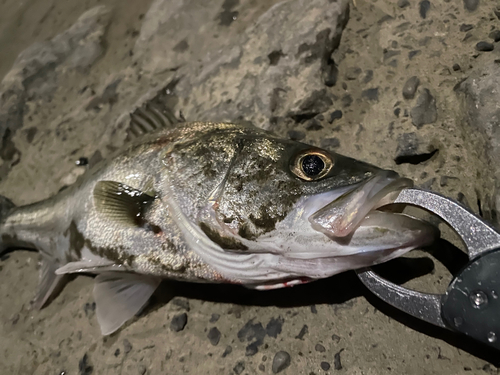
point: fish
(210, 202)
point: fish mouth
(357, 210)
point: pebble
(178, 322)
(336, 338)
(227, 351)
(425, 112)
(466, 27)
(471, 5)
(181, 303)
(281, 361)
(273, 328)
(302, 333)
(370, 94)
(335, 115)
(352, 73)
(485, 46)
(296, 135)
(424, 7)
(239, 368)
(142, 370)
(368, 76)
(346, 100)
(336, 360)
(413, 53)
(495, 35)
(313, 125)
(262, 367)
(403, 3)
(214, 318)
(214, 336)
(252, 349)
(127, 346)
(456, 67)
(320, 348)
(330, 143)
(84, 367)
(325, 366)
(410, 87)
(117, 352)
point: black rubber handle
(471, 304)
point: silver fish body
(212, 202)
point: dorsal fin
(121, 203)
(150, 118)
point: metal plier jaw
(471, 304)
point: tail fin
(6, 206)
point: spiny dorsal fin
(150, 118)
(121, 203)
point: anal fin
(49, 282)
(119, 296)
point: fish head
(272, 211)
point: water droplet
(458, 321)
(494, 294)
(492, 337)
(478, 299)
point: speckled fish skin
(205, 202)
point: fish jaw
(343, 215)
(353, 218)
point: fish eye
(312, 165)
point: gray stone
(485, 46)
(480, 94)
(251, 88)
(337, 364)
(410, 87)
(178, 322)
(36, 72)
(239, 368)
(495, 35)
(424, 7)
(370, 94)
(471, 5)
(214, 336)
(127, 346)
(281, 361)
(425, 112)
(319, 348)
(403, 3)
(352, 73)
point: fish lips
(358, 208)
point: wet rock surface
(335, 79)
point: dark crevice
(301, 117)
(414, 159)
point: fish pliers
(471, 304)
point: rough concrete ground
(76, 108)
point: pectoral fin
(121, 203)
(119, 296)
